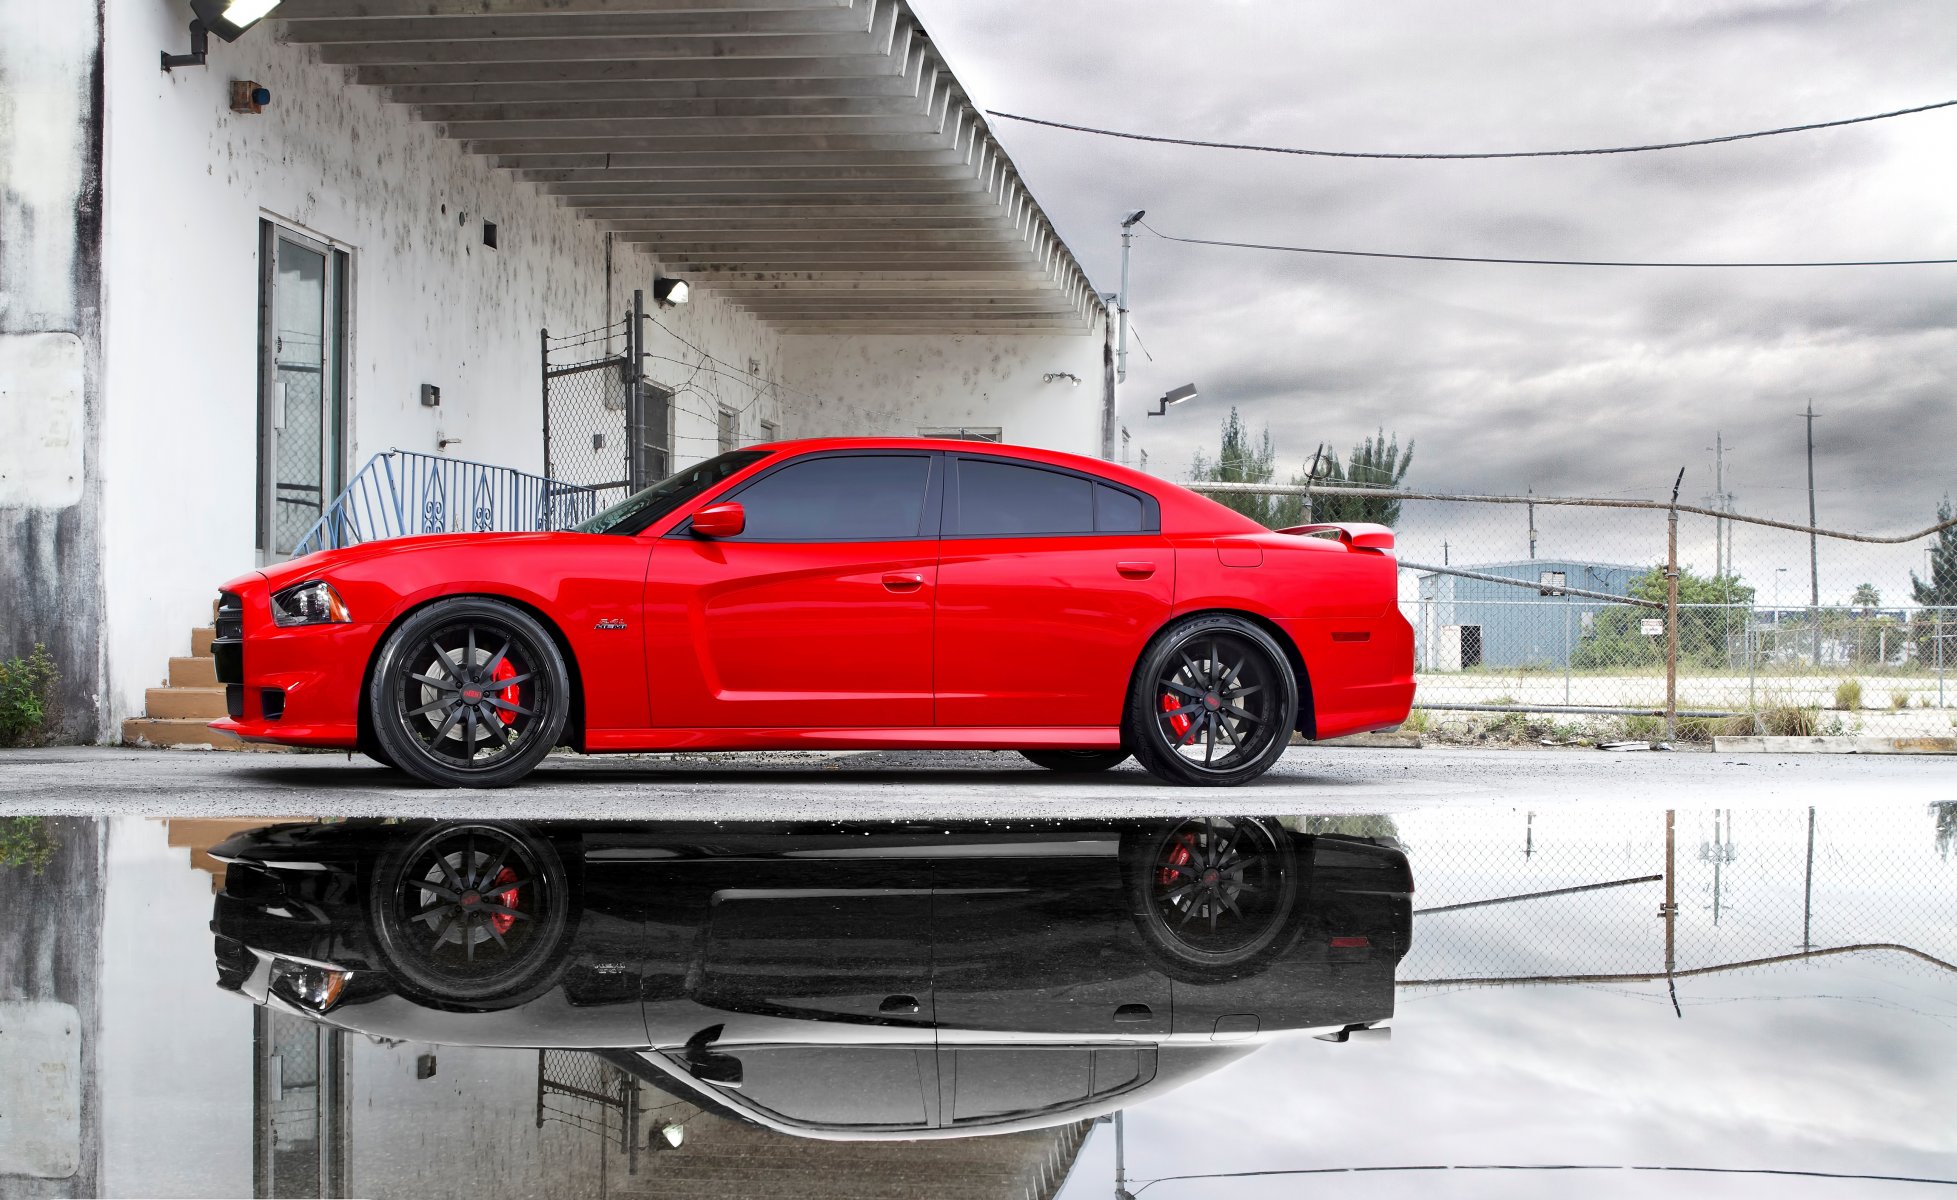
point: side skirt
(599, 741)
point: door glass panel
(849, 498)
(990, 1082)
(1116, 511)
(300, 410)
(999, 499)
(837, 1085)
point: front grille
(228, 648)
(235, 963)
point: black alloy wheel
(1077, 762)
(1213, 702)
(468, 692)
(471, 912)
(1214, 895)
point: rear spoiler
(1357, 535)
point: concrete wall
(50, 360)
(188, 182)
(900, 384)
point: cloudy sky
(1567, 380)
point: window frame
(949, 519)
(929, 522)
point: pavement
(1313, 779)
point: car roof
(1181, 507)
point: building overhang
(813, 161)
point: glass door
(301, 418)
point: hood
(322, 564)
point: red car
(847, 593)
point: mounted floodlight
(1133, 217)
(668, 292)
(1174, 396)
(229, 19)
(673, 1134)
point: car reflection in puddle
(843, 983)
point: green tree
(1377, 462)
(1935, 631)
(1614, 640)
(1242, 459)
(1866, 596)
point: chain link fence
(1590, 897)
(1554, 619)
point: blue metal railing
(400, 493)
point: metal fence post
(543, 337)
(1671, 613)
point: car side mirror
(721, 1070)
(720, 520)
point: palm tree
(1866, 597)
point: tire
(471, 913)
(1214, 898)
(1077, 762)
(1212, 704)
(468, 692)
(371, 747)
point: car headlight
(311, 603)
(313, 988)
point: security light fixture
(668, 292)
(1174, 396)
(229, 19)
(1129, 220)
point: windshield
(641, 509)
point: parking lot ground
(923, 786)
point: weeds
(1848, 695)
(1899, 701)
(26, 697)
(26, 842)
(1787, 720)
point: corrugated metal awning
(812, 160)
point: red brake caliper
(509, 695)
(501, 922)
(1178, 856)
(1180, 721)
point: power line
(1711, 141)
(1539, 262)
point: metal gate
(606, 428)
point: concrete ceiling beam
(670, 91)
(616, 68)
(835, 188)
(407, 9)
(779, 112)
(748, 176)
(898, 143)
(791, 212)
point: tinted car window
(989, 1083)
(641, 509)
(841, 498)
(1116, 511)
(1001, 499)
(836, 1085)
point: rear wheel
(468, 692)
(1213, 896)
(1213, 702)
(1077, 762)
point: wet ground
(944, 975)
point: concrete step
(193, 672)
(200, 641)
(203, 703)
(179, 731)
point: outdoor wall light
(668, 292)
(229, 19)
(1053, 376)
(1174, 396)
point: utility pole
(1121, 301)
(1720, 565)
(1532, 525)
(1814, 540)
(1121, 1191)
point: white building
(212, 316)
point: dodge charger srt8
(858, 593)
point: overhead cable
(1381, 154)
(1540, 262)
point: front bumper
(297, 685)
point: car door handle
(1135, 570)
(1132, 1014)
(899, 1006)
(898, 581)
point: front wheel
(468, 692)
(1213, 702)
(1077, 762)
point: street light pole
(1121, 301)
(1814, 540)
